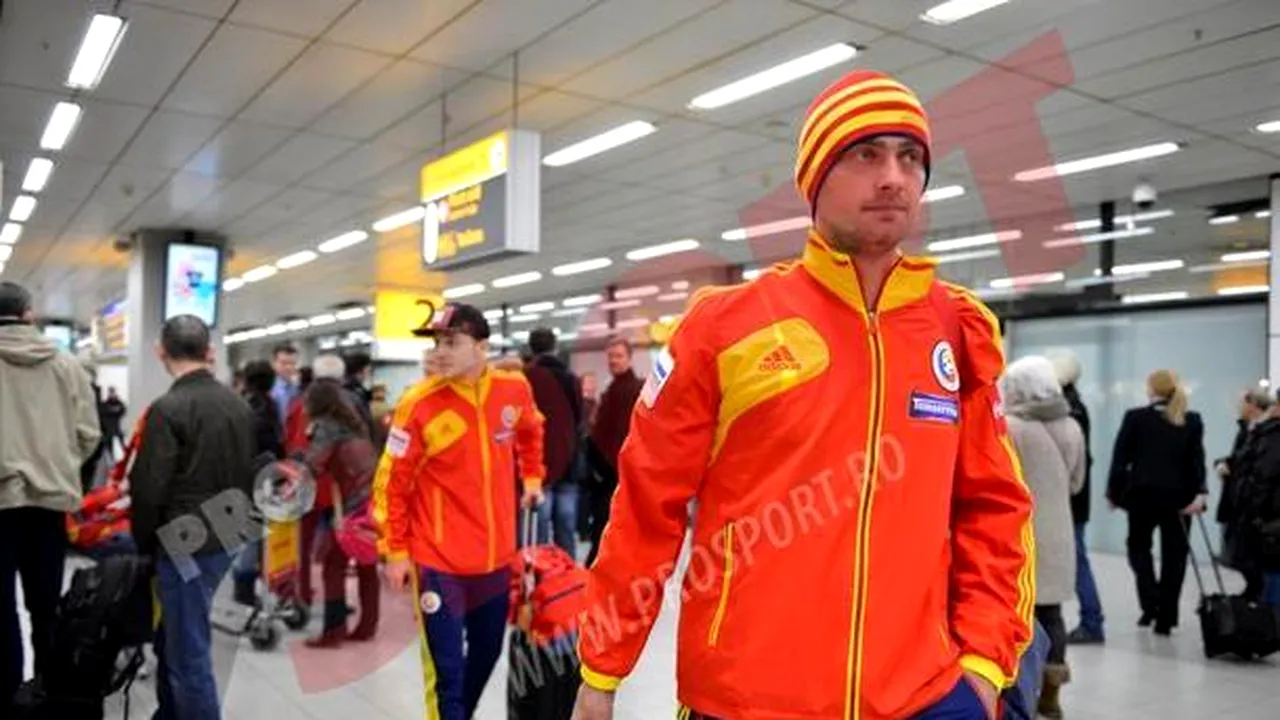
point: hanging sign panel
(483, 201)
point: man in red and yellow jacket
(862, 545)
(445, 505)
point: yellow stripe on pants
(431, 697)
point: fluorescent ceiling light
(1268, 127)
(1155, 297)
(581, 266)
(671, 248)
(581, 300)
(775, 76)
(495, 314)
(232, 284)
(518, 279)
(1247, 256)
(525, 318)
(96, 50)
(957, 10)
(262, 272)
(294, 260)
(769, 228)
(1262, 214)
(620, 304)
(973, 241)
(641, 291)
(1244, 290)
(569, 312)
(37, 176)
(631, 323)
(593, 328)
(343, 241)
(674, 297)
(1147, 267)
(751, 274)
(10, 233)
(1219, 266)
(277, 329)
(6, 252)
(603, 142)
(943, 193)
(1096, 162)
(62, 122)
(1096, 223)
(680, 285)
(1100, 279)
(1224, 219)
(354, 313)
(1034, 279)
(1100, 237)
(400, 219)
(538, 307)
(566, 336)
(966, 256)
(464, 291)
(296, 325)
(521, 335)
(23, 207)
(322, 320)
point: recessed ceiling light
(581, 300)
(296, 325)
(1268, 127)
(343, 241)
(973, 241)
(1148, 267)
(775, 76)
(1021, 280)
(619, 304)
(769, 228)
(943, 193)
(1247, 256)
(1096, 223)
(10, 233)
(37, 176)
(570, 312)
(294, 260)
(673, 297)
(538, 307)
(1097, 162)
(495, 314)
(966, 256)
(1100, 237)
(517, 279)
(680, 285)
(581, 266)
(23, 207)
(1244, 290)
(641, 291)
(1155, 297)
(1262, 214)
(322, 319)
(262, 272)
(354, 313)
(1224, 219)
(751, 274)
(464, 291)
(957, 10)
(232, 284)
(525, 318)
(671, 248)
(96, 50)
(605, 141)
(62, 122)
(6, 252)
(400, 219)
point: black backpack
(105, 616)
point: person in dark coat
(1158, 477)
(268, 446)
(1090, 630)
(558, 395)
(1257, 505)
(613, 422)
(1233, 470)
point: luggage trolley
(283, 492)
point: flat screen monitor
(60, 334)
(191, 277)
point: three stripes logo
(780, 360)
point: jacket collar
(193, 377)
(474, 392)
(908, 281)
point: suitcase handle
(1213, 560)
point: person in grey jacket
(1050, 445)
(48, 427)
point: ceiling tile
(231, 202)
(169, 139)
(156, 47)
(394, 26)
(23, 114)
(492, 29)
(306, 18)
(237, 148)
(38, 41)
(183, 193)
(207, 8)
(72, 179)
(104, 130)
(546, 109)
(319, 79)
(355, 167)
(231, 69)
(398, 91)
(297, 157)
(422, 129)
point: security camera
(1145, 195)
(124, 243)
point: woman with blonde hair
(1158, 478)
(1050, 445)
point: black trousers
(1050, 616)
(33, 546)
(1159, 597)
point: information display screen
(191, 276)
(467, 224)
(60, 335)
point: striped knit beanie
(858, 106)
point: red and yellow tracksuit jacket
(862, 532)
(444, 494)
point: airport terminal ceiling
(285, 123)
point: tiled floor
(1136, 675)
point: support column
(1106, 253)
(1273, 298)
(146, 285)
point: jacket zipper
(713, 635)
(487, 481)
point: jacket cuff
(987, 670)
(599, 681)
(533, 483)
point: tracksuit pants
(463, 620)
(962, 703)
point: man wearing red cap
(862, 546)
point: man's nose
(893, 176)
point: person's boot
(335, 627)
(370, 597)
(1055, 676)
(1083, 636)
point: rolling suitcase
(548, 590)
(1230, 624)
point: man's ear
(159, 351)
